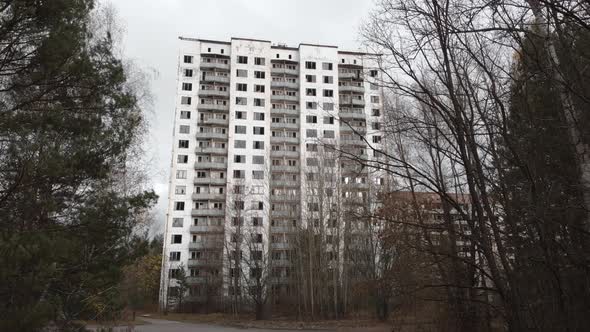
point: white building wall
(258, 190)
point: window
(241, 115)
(177, 222)
(176, 238)
(240, 159)
(258, 145)
(182, 159)
(188, 73)
(241, 73)
(328, 93)
(256, 255)
(241, 101)
(309, 65)
(310, 105)
(259, 61)
(239, 205)
(240, 129)
(238, 221)
(256, 221)
(179, 206)
(258, 102)
(376, 112)
(328, 120)
(258, 160)
(258, 88)
(328, 134)
(375, 125)
(310, 78)
(328, 79)
(312, 161)
(187, 86)
(311, 133)
(188, 59)
(239, 174)
(258, 130)
(185, 114)
(241, 86)
(259, 116)
(376, 139)
(239, 144)
(258, 175)
(242, 59)
(185, 100)
(183, 144)
(375, 99)
(327, 66)
(257, 238)
(311, 119)
(373, 73)
(259, 74)
(174, 256)
(310, 92)
(184, 129)
(181, 174)
(311, 147)
(328, 106)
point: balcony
(283, 183)
(207, 213)
(215, 121)
(285, 169)
(352, 142)
(214, 65)
(213, 93)
(352, 88)
(213, 107)
(215, 79)
(284, 139)
(349, 75)
(283, 214)
(219, 136)
(280, 245)
(283, 229)
(286, 85)
(286, 111)
(208, 197)
(280, 262)
(354, 102)
(284, 71)
(284, 154)
(344, 128)
(210, 150)
(203, 262)
(354, 184)
(206, 229)
(210, 165)
(284, 198)
(284, 125)
(279, 98)
(352, 115)
(202, 280)
(210, 181)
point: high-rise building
(257, 126)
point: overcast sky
(152, 28)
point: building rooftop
(279, 46)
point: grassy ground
(247, 321)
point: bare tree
(461, 74)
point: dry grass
(247, 321)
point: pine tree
(68, 122)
